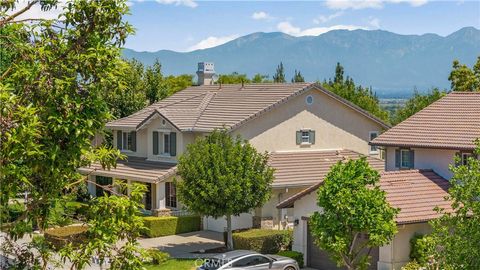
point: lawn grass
(174, 264)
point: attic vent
(309, 100)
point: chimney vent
(205, 73)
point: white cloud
(288, 28)
(323, 18)
(212, 42)
(187, 3)
(35, 12)
(375, 23)
(261, 15)
(362, 4)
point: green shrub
(163, 226)
(156, 256)
(11, 212)
(263, 241)
(413, 265)
(297, 256)
(61, 236)
(77, 208)
(421, 248)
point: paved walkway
(182, 245)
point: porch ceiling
(134, 168)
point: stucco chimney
(205, 73)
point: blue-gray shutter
(173, 144)
(155, 142)
(134, 141)
(397, 158)
(299, 137)
(312, 136)
(412, 159)
(119, 139)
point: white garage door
(244, 221)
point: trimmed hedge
(163, 226)
(61, 236)
(262, 241)
(297, 256)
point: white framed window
(126, 140)
(373, 148)
(405, 161)
(166, 143)
(305, 137)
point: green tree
(259, 78)
(223, 176)
(415, 104)
(128, 95)
(233, 78)
(457, 233)
(463, 78)
(297, 77)
(172, 84)
(279, 76)
(53, 103)
(352, 205)
(153, 82)
(358, 95)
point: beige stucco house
(294, 122)
(418, 154)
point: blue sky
(185, 25)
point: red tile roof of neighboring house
(306, 167)
(452, 122)
(134, 168)
(206, 107)
(415, 192)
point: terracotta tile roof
(453, 122)
(134, 168)
(206, 107)
(415, 192)
(307, 167)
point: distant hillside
(386, 61)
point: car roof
(230, 255)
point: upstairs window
(127, 140)
(305, 137)
(164, 143)
(373, 148)
(404, 158)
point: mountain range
(390, 63)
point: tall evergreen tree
(153, 80)
(297, 77)
(279, 76)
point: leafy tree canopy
(352, 205)
(362, 97)
(259, 78)
(234, 78)
(297, 77)
(279, 76)
(223, 176)
(457, 234)
(416, 103)
(463, 78)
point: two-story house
(418, 154)
(303, 126)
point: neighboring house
(295, 123)
(418, 154)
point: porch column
(160, 195)
(129, 183)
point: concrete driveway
(182, 245)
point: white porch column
(91, 187)
(160, 192)
(129, 182)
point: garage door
(319, 259)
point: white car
(245, 259)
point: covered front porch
(160, 198)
